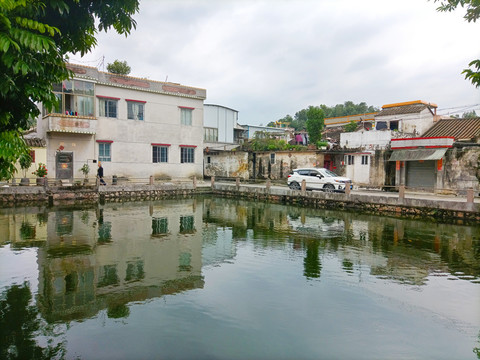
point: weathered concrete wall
(462, 168)
(227, 164)
(286, 161)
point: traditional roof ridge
(414, 102)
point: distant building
(136, 127)
(221, 129)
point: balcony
(71, 124)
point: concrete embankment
(408, 205)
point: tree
(351, 126)
(119, 67)
(471, 15)
(314, 123)
(469, 114)
(345, 109)
(35, 37)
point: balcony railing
(71, 124)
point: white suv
(318, 179)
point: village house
(135, 127)
(366, 150)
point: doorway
(64, 165)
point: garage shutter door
(421, 174)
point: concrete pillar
(401, 192)
(237, 182)
(347, 188)
(470, 196)
(268, 185)
(212, 181)
(151, 180)
(194, 183)
(304, 186)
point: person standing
(100, 174)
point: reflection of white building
(107, 258)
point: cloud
(270, 58)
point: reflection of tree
(476, 350)
(19, 324)
(311, 263)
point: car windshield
(329, 173)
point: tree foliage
(299, 121)
(35, 37)
(314, 123)
(351, 126)
(469, 114)
(472, 14)
(119, 67)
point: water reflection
(406, 251)
(110, 257)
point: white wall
(221, 118)
(366, 139)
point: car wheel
(328, 188)
(294, 185)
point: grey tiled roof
(460, 129)
(405, 109)
(35, 142)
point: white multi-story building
(136, 127)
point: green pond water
(213, 278)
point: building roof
(35, 142)
(410, 107)
(460, 129)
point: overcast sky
(268, 59)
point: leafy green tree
(472, 14)
(119, 67)
(35, 37)
(469, 114)
(314, 123)
(351, 126)
(299, 122)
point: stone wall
(286, 161)
(226, 164)
(462, 168)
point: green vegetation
(265, 141)
(314, 123)
(35, 37)
(299, 121)
(351, 126)
(119, 67)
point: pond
(214, 278)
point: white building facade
(135, 127)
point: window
(160, 153)
(364, 159)
(108, 107)
(272, 158)
(211, 135)
(351, 160)
(187, 155)
(135, 110)
(75, 97)
(186, 116)
(104, 151)
(32, 155)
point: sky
(271, 58)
